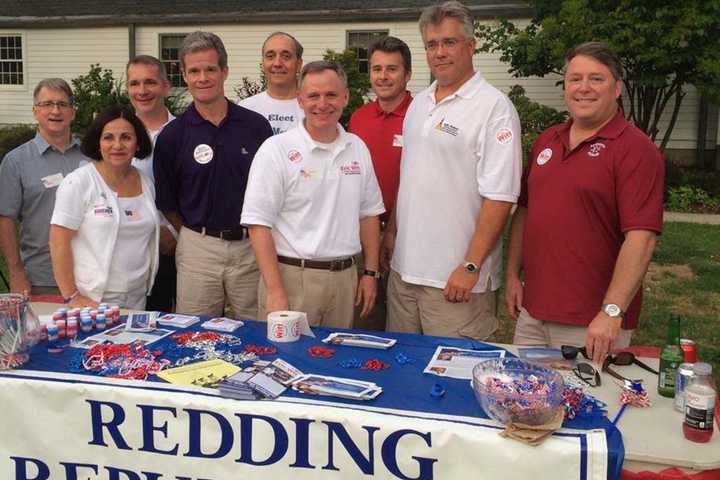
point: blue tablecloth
(405, 387)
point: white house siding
(65, 53)
(69, 52)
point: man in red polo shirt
(379, 125)
(590, 210)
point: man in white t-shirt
(148, 86)
(281, 63)
(459, 177)
(311, 203)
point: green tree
(249, 87)
(534, 117)
(664, 45)
(358, 82)
(95, 91)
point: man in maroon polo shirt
(379, 125)
(590, 210)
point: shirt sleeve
(166, 169)
(640, 179)
(499, 151)
(10, 187)
(265, 191)
(371, 204)
(70, 205)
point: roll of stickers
(286, 326)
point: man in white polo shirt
(459, 177)
(312, 202)
(281, 64)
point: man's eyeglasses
(50, 105)
(570, 353)
(447, 44)
(588, 374)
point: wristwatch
(371, 273)
(613, 311)
(470, 267)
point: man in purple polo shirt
(202, 161)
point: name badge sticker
(203, 154)
(52, 180)
(397, 141)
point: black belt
(332, 265)
(239, 233)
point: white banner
(72, 427)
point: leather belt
(239, 233)
(332, 265)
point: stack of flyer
(359, 340)
(336, 387)
(261, 380)
(177, 320)
(222, 324)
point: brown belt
(332, 265)
(239, 233)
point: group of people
(266, 205)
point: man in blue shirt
(29, 177)
(202, 160)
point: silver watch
(470, 267)
(613, 311)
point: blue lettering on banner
(149, 428)
(111, 426)
(155, 423)
(280, 445)
(195, 437)
(389, 455)
(366, 464)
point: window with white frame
(11, 60)
(360, 41)
(170, 57)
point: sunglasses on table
(570, 353)
(627, 358)
(588, 374)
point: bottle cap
(702, 368)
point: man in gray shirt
(29, 176)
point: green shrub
(687, 198)
(14, 136)
(94, 92)
(534, 117)
(358, 82)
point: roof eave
(507, 10)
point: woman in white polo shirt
(104, 229)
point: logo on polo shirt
(544, 156)
(352, 169)
(595, 149)
(294, 156)
(504, 136)
(307, 174)
(443, 126)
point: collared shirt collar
(342, 141)
(42, 145)
(610, 131)
(197, 119)
(399, 110)
(466, 90)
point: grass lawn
(684, 278)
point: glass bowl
(19, 330)
(510, 390)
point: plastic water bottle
(700, 398)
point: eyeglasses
(50, 105)
(627, 358)
(588, 374)
(447, 44)
(570, 353)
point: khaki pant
(212, 273)
(420, 309)
(327, 297)
(532, 332)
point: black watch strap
(371, 273)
